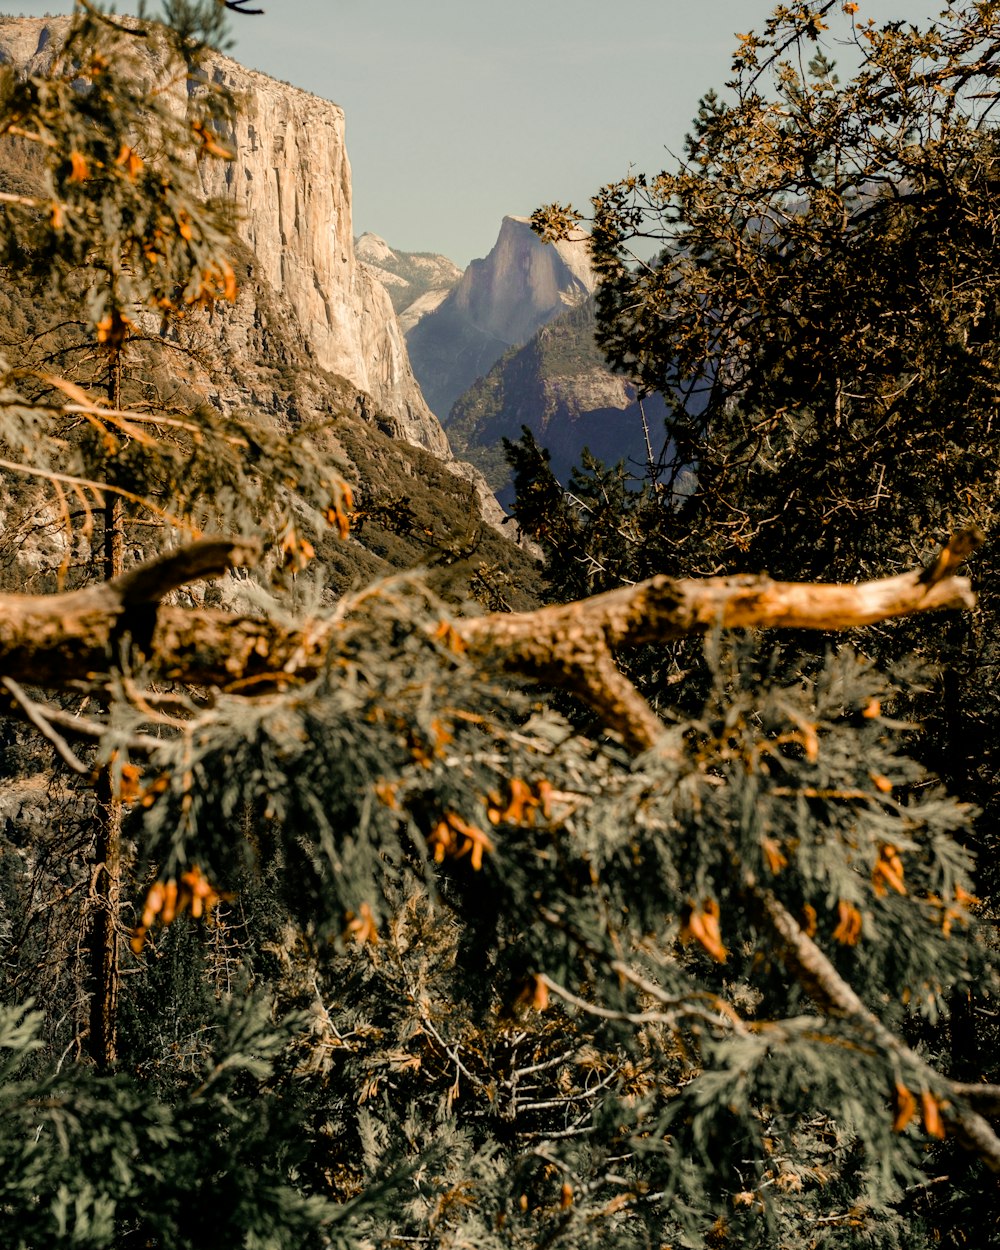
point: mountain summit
(499, 303)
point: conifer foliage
(439, 932)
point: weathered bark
(105, 924)
(106, 878)
(53, 640)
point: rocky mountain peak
(373, 250)
(417, 282)
(524, 282)
(500, 302)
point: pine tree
(445, 935)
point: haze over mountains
(510, 343)
(402, 344)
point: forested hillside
(346, 903)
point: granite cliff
(499, 303)
(312, 337)
(417, 282)
(291, 186)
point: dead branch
(52, 640)
(572, 645)
(828, 989)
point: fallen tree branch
(572, 645)
(52, 640)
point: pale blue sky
(459, 112)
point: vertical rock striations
(291, 184)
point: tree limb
(828, 989)
(572, 645)
(52, 640)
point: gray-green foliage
(480, 978)
(592, 873)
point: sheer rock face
(500, 302)
(291, 186)
(417, 282)
(291, 182)
(524, 282)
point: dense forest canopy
(657, 914)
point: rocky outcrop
(417, 282)
(291, 181)
(557, 385)
(500, 302)
(291, 186)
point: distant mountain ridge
(499, 303)
(417, 282)
(559, 386)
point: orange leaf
(810, 918)
(385, 792)
(208, 144)
(888, 871)
(906, 1106)
(449, 635)
(79, 169)
(534, 995)
(702, 925)
(113, 329)
(128, 790)
(848, 930)
(130, 160)
(440, 840)
(166, 900)
(930, 1110)
(456, 837)
(773, 854)
(169, 911)
(227, 284)
(362, 927)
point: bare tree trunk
(105, 948)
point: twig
(34, 714)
